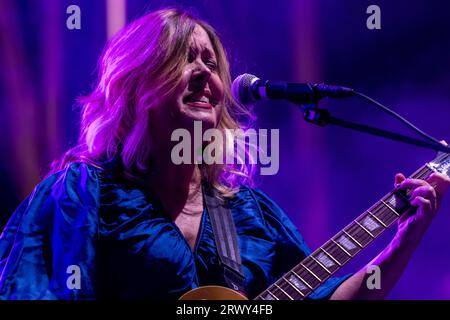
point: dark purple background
(328, 175)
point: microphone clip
(312, 114)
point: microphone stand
(322, 117)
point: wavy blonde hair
(141, 65)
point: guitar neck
(315, 269)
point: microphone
(248, 89)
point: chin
(207, 122)
(207, 117)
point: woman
(116, 218)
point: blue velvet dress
(125, 247)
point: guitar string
(312, 265)
(380, 210)
(421, 173)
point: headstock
(441, 163)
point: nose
(201, 72)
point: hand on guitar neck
(425, 196)
(426, 199)
(413, 204)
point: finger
(399, 178)
(426, 192)
(439, 179)
(440, 182)
(412, 183)
(412, 211)
(421, 202)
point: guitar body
(212, 293)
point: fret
(390, 208)
(431, 168)
(423, 175)
(274, 296)
(307, 277)
(320, 264)
(315, 276)
(315, 268)
(384, 214)
(336, 252)
(293, 286)
(364, 228)
(321, 248)
(347, 243)
(420, 173)
(302, 280)
(299, 284)
(354, 240)
(375, 217)
(442, 158)
(266, 295)
(371, 224)
(398, 201)
(284, 292)
(442, 167)
(290, 289)
(402, 196)
(342, 248)
(359, 234)
(426, 171)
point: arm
(393, 260)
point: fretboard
(315, 269)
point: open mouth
(199, 101)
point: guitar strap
(225, 237)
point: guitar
(315, 269)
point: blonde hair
(140, 66)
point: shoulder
(248, 195)
(272, 215)
(254, 203)
(63, 197)
(74, 171)
(77, 183)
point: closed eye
(212, 65)
(207, 57)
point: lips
(198, 100)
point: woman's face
(199, 95)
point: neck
(177, 186)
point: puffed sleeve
(47, 249)
(291, 248)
